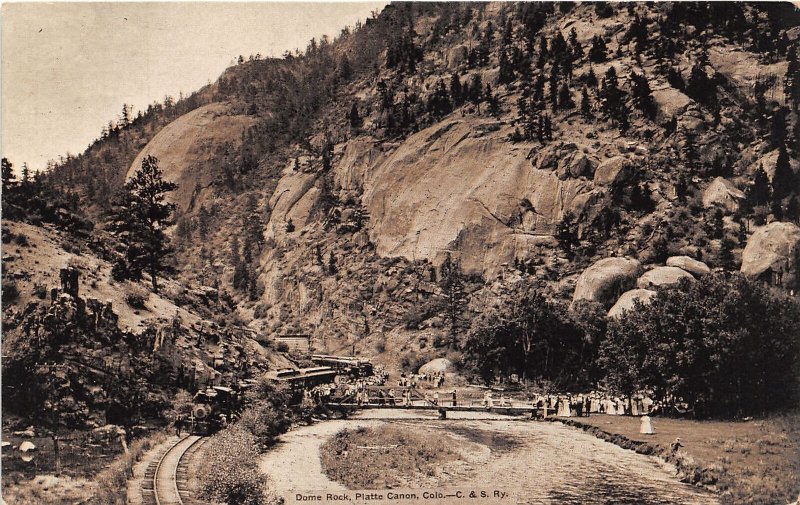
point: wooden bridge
(410, 398)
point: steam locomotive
(214, 407)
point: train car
(346, 365)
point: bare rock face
(613, 170)
(772, 249)
(186, 149)
(662, 276)
(604, 281)
(691, 265)
(294, 199)
(671, 102)
(457, 56)
(722, 193)
(628, 299)
(461, 186)
(358, 158)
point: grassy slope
(758, 461)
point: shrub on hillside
(136, 297)
(10, 292)
(112, 481)
(229, 469)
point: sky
(67, 68)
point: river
(545, 463)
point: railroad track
(166, 478)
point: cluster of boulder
(771, 254)
(617, 283)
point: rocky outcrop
(461, 186)
(722, 193)
(772, 249)
(768, 163)
(691, 265)
(663, 276)
(606, 280)
(188, 147)
(457, 56)
(613, 171)
(628, 300)
(293, 199)
(563, 158)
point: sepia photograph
(406, 253)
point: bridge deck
(511, 409)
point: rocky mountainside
(597, 148)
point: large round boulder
(722, 193)
(613, 170)
(771, 249)
(691, 265)
(662, 276)
(606, 280)
(628, 300)
(438, 365)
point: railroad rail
(166, 477)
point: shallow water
(540, 463)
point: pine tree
(784, 181)
(567, 235)
(643, 96)
(475, 89)
(591, 78)
(492, 101)
(776, 209)
(506, 69)
(586, 104)
(612, 98)
(355, 119)
(452, 284)
(598, 53)
(139, 221)
(777, 132)
(9, 179)
(681, 187)
(318, 255)
(726, 259)
(548, 128)
(438, 102)
(701, 87)
(565, 98)
(332, 268)
(575, 47)
(26, 174)
(717, 230)
(456, 91)
(758, 193)
(791, 81)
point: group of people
(582, 405)
(435, 379)
(490, 401)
